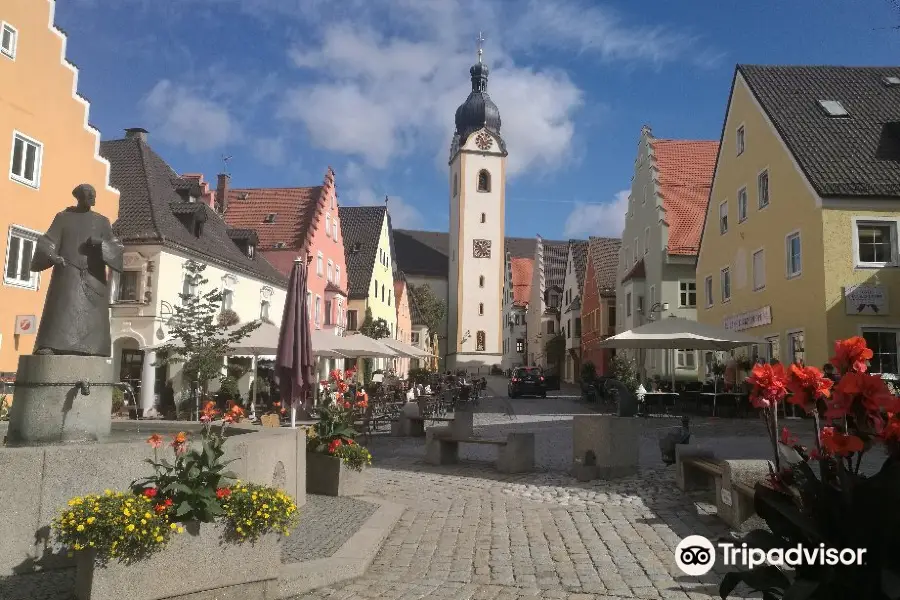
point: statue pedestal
(614, 441)
(49, 406)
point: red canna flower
(155, 441)
(209, 413)
(150, 492)
(769, 385)
(160, 508)
(891, 429)
(168, 502)
(179, 442)
(839, 444)
(787, 439)
(851, 354)
(869, 390)
(223, 493)
(807, 385)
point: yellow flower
(159, 538)
(126, 512)
(148, 516)
(80, 527)
(90, 520)
(143, 521)
(173, 526)
(130, 527)
(78, 546)
(181, 530)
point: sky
(286, 88)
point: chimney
(136, 133)
(222, 192)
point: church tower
(477, 188)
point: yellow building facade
(799, 244)
(47, 148)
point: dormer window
(270, 218)
(251, 250)
(279, 245)
(891, 80)
(833, 108)
(198, 228)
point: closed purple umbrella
(294, 362)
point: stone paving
(326, 523)
(472, 533)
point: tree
(201, 339)
(432, 309)
(375, 329)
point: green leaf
(183, 509)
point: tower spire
(480, 46)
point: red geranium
(334, 445)
(839, 444)
(851, 354)
(223, 493)
(891, 430)
(769, 385)
(807, 385)
(150, 492)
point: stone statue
(626, 403)
(79, 246)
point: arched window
(484, 181)
(479, 341)
(481, 281)
(455, 185)
(483, 218)
(481, 308)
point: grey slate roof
(426, 253)
(579, 257)
(856, 155)
(149, 206)
(604, 255)
(361, 225)
(556, 254)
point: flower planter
(196, 563)
(329, 476)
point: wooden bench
(515, 454)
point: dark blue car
(527, 381)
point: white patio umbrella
(362, 346)
(675, 333)
(404, 349)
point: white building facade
(570, 320)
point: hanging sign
(865, 299)
(25, 325)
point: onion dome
(478, 110)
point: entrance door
(130, 370)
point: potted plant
(818, 498)
(335, 463)
(191, 506)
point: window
(19, 250)
(339, 318)
(687, 294)
(8, 38)
(328, 319)
(708, 290)
(481, 308)
(376, 289)
(796, 346)
(352, 323)
(128, 286)
(646, 240)
(876, 243)
(628, 304)
(740, 141)
(685, 359)
(759, 270)
(891, 80)
(227, 299)
(337, 274)
(640, 304)
(264, 310)
(568, 329)
(762, 184)
(318, 310)
(742, 204)
(637, 249)
(833, 108)
(551, 327)
(883, 344)
(577, 326)
(611, 316)
(414, 338)
(309, 306)
(481, 281)
(328, 225)
(793, 255)
(723, 217)
(330, 271)
(334, 229)
(319, 264)
(773, 348)
(652, 296)
(479, 341)
(25, 166)
(726, 284)
(269, 218)
(520, 345)
(484, 181)
(483, 218)
(455, 185)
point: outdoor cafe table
(736, 398)
(663, 399)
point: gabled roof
(361, 227)
(853, 155)
(638, 271)
(415, 314)
(294, 210)
(522, 271)
(604, 256)
(149, 206)
(579, 258)
(427, 253)
(685, 176)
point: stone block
(329, 476)
(615, 442)
(218, 569)
(689, 479)
(735, 505)
(51, 409)
(517, 456)
(21, 471)
(463, 424)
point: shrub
(352, 454)
(588, 371)
(422, 376)
(117, 526)
(253, 510)
(624, 370)
(496, 370)
(229, 389)
(118, 400)
(228, 318)
(5, 406)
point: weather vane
(225, 160)
(480, 45)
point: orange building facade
(47, 148)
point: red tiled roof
(294, 210)
(685, 176)
(522, 269)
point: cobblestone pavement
(472, 533)
(325, 524)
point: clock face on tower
(484, 141)
(481, 248)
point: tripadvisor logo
(695, 555)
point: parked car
(527, 381)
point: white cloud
(270, 151)
(355, 183)
(181, 116)
(604, 220)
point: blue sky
(288, 87)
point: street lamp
(658, 307)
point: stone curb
(350, 561)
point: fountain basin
(37, 482)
